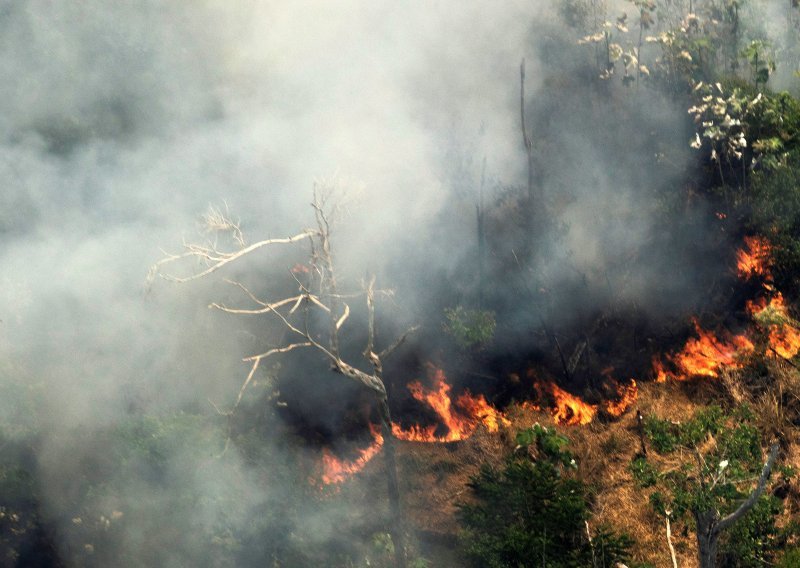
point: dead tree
(527, 142)
(710, 525)
(317, 294)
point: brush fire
(706, 354)
(461, 417)
(709, 353)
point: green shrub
(666, 436)
(531, 513)
(469, 328)
(752, 542)
(644, 473)
(790, 560)
(722, 457)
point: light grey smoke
(121, 121)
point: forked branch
(217, 259)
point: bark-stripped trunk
(395, 510)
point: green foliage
(753, 541)
(469, 328)
(759, 57)
(666, 437)
(775, 198)
(644, 473)
(531, 513)
(722, 457)
(790, 560)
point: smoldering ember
(396, 284)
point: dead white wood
(669, 541)
(317, 292)
(218, 259)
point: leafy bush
(790, 560)
(775, 197)
(469, 328)
(723, 457)
(531, 513)
(666, 437)
(752, 542)
(644, 473)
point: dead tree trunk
(710, 526)
(395, 508)
(526, 140)
(319, 293)
(481, 228)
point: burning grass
(752, 260)
(460, 418)
(336, 470)
(705, 355)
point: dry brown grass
(435, 476)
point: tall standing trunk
(396, 530)
(530, 209)
(481, 227)
(707, 538)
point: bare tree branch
(317, 288)
(344, 317)
(753, 497)
(398, 342)
(219, 259)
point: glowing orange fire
(335, 470)
(461, 419)
(626, 396)
(785, 341)
(567, 409)
(659, 371)
(784, 337)
(704, 355)
(752, 260)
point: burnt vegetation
(588, 358)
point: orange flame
(784, 337)
(785, 341)
(461, 418)
(568, 409)
(706, 355)
(626, 396)
(335, 470)
(752, 259)
(659, 371)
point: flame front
(784, 337)
(567, 409)
(335, 470)
(785, 341)
(705, 355)
(461, 419)
(626, 396)
(752, 259)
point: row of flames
(462, 416)
(710, 354)
(707, 355)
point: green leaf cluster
(469, 328)
(532, 513)
(721, 456)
